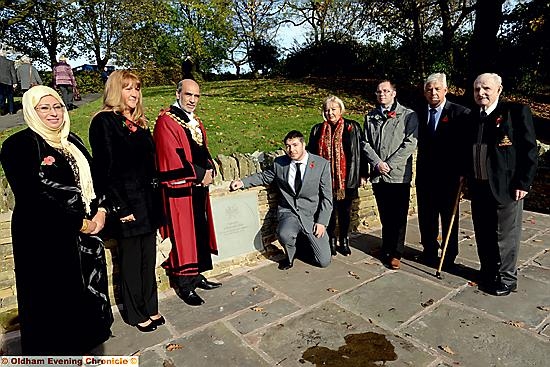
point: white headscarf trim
(57, 138)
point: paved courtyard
(356, 312)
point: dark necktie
(483, 114)
(431, 122)
(298, 179)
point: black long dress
(61, 276)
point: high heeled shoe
(344, 243)
(333, 243)
(148, 328)
(158, 322)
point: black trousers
(392, 200)
(137, 277)
(498, 233)
(342, 210)
(436, 201)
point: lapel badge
(505, 141)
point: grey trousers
(498, 233)
(288, 230)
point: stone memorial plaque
(237, 224)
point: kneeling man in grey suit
(305, 198)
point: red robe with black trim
(178, 179)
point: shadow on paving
(356, 312)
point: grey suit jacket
(7, 71)
(313, 204)
(392, 141)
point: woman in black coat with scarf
(124, 164)
(339, 141)
(60, 268)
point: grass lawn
(241, 115)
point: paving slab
(522, 306)
(214, 346)
(382, 300)
(127, 340)
(472, 339)
(543, 259)
(333, 336)
(363, 245)
(537, 273)
(536, 220)
(236, 294)
(308, 284)
(455, 278)
(412, 236)
(265, 314)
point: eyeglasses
(46, 108)
(385, 91)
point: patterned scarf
(332, 149)
(58, 138)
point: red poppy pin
(48, 161)
(130, 125)
(391, 114)
(499, 121)
(445, 119)
(349, 128)
(312, 164)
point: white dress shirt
(292, 170)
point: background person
(391, 132)
(305, 198)
(63, 79)
(55, 210)
(441, 150)
(504, 163)
(186, 170)
(8, 82)
(27, 75)
(339, 141)
(124, 164)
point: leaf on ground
(427, 303)
(544, 308)
(254, 289)
(446, 349)
(233, 293)
(333, 290)
(173, 346)
(472, 284)
(257, 309)
(168, 363)
(468, 237)
(537, 240)
(354, 275)
(519, 324)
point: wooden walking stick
(455, 209)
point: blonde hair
(333, 99)
(112, 95)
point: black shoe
(332, 241)
(505, 289)
(146, 329)
(190, 297)
(206, 284)
(344, 244)
(159, 322)
(285, 264)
